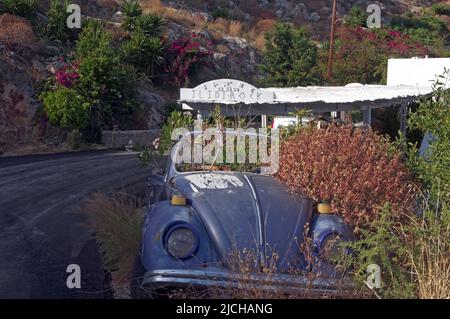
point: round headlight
(333, 247)
(181, 242)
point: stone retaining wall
(119, 139)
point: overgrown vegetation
(357, 17)
(56, 27)
(103, 87)
(289, 58)
(22, 8)
(413, 253)
(355, 169)
(117, 222)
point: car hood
(248, 211)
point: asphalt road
(42, 230)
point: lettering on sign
(226, 91)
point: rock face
(154, 108)
(19, 70)
(17, 106)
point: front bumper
(205, 279)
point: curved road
(41, 228)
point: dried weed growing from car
(355, 169)
(117, 221)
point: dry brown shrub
(117, 222)
(219, 24)
(16, 31)
(185, 18)
(221, 48)
(357, 170)
(235, 28)
(249, 280)
(260, 42)
(265, 25)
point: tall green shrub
(433, 117)
(67, 108)
(57, 20)
(289, 58)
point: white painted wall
(416, 72)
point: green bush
(93, 41)
(289, 58)
(382, 245)
(67, 108)
(176, 120)
(145, 53)
(441, 9)
(22, 8)
(103, 85)
(57, 21)
(427, 29)
(413, 252)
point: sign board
(226, 92)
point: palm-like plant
(57, 20)
(131, 10)
(151, 25)
(146, 53)
(22, 8)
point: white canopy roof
(345, 94)
(237, 97)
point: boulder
(154, 107)
(117, 17)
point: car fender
(159, 219)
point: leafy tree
(289, 58)
(104, 80)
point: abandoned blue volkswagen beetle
(197, 218)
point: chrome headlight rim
(170, 232)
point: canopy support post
(367, 116)
(264, 121)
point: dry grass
(179, 16)
(256, 36)
(117, 222)
(243, 267)
(153, 6)
(235, 28)
(429, 256)
(16, 31)
(221, 27)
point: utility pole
(330, 56)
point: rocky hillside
(235, 29)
